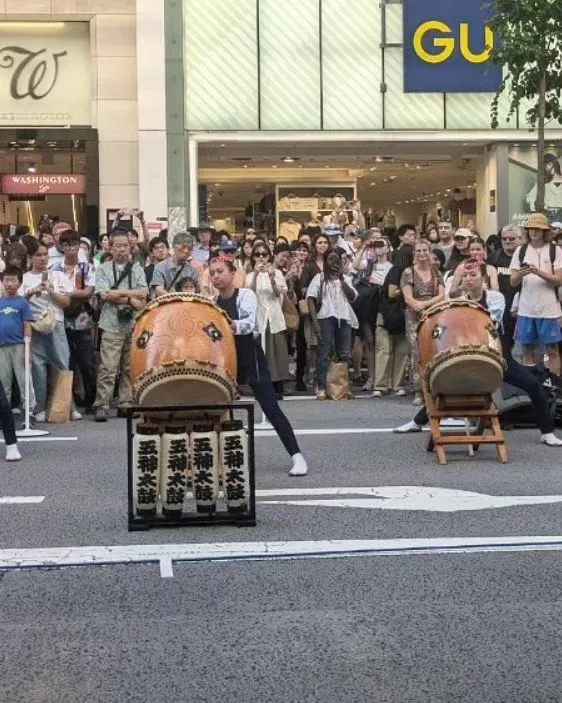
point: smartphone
(525, 265)
(44, 276)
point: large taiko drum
(183, 353)
(460, 349)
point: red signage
(43, 184)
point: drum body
(460, 349)
(183, 353)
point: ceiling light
(371, 185)
(245, 166)
(373, 168)
(406, 165)
(378, 159)
(274, 166)
(418, 167)
(32, 168)
(288, 160)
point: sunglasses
(261, 255)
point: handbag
(47, 322)
(291, 315)
(303, 307)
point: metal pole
(28, 431)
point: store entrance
(49, 173)
(280, 186)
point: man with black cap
(202, 248)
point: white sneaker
(41, 417)
(75, 415)
(300, 467)
(369, 385)
(12, 452)
(400, 393)
(408, 427)
(551, 440)
(417, 400)
(378, 394)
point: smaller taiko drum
(460, 349)
(183, 353)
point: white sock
(12, 452)
(300, 467)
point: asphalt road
(410, 627)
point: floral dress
(421, 290)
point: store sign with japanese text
(448, 47)
(45, 74)
(44, 184)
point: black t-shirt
(502, 263)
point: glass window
(351, 69)
(221, 69)
(290, 64)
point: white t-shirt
(379, 273)
(334, 302)
(538, 298)
(39, 303)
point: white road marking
(21, 500)
(233, 551)
(335, 432)
(416, 498)
(44, 439)
(166, 570)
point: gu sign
(44, 74)
(448, 46)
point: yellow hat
(537, 221)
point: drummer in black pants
(242, 306)
(8, 428)
(515, 374)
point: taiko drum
(460, 349)
(183, 353)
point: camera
(125, 314)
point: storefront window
(523, 181)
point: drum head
(477, 375)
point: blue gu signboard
(448, 46)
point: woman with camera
(48, 293)
(121, 287)
(268, 283)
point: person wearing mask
(78, 314)
(515, 374)
(268, 283)
(422, 287)
(461, 249)
(202, 248)
(330, 295)
(446, 243)
(48, 293)
(241, 305)
(158, 251)
(537, 267)
(168, 274)
(56, 253)
(121, 286)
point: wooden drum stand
(476, 407)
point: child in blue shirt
(15, 324)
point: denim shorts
(537, 330)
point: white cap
(556, 225)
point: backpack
(393, 312)
(552, 255)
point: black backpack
(393, 311)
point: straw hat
(538, 221)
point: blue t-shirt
(13, 313)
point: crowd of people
(333, 294)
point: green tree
(529, 48)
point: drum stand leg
(480, 408)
